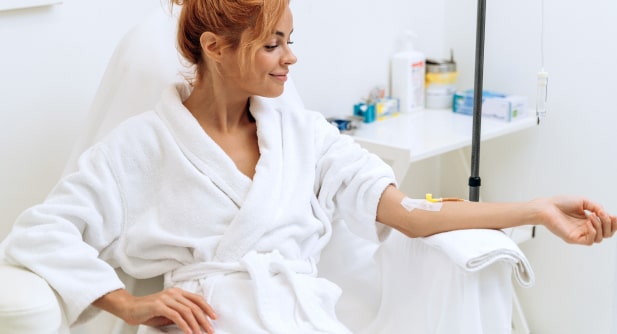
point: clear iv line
(542, 88)
(542, 34)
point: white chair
(402, 286)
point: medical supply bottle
(407, 75)
(440, 83)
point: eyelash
(272, 47)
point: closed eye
(274, 46)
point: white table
(407, 138)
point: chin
(273, 93)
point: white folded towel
(475, 249)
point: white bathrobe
(158, 196)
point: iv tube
(542, 89)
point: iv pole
(474, 180)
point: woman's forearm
(574, 219)
(452, 215)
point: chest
(241, 146)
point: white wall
(343, 46)
(51, 61)
(571, 152)
(53, 58)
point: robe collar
(256, 199)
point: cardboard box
(494, 105)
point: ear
(211, 45)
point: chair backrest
(143, 64)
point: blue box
(494, 105)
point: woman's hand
(576, 220)
(189, 311)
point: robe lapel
(259, 209)
(207, 156)
(257, 200)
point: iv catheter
(429, 197)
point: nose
(289, 58)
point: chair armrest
(476, 249)
(425, 289)
(27, 303)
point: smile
(280, 77)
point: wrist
(115, 302)
(539, 212)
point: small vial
(541, 100)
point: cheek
(265, 62)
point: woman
(231, 196)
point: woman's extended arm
(574, 219)
(171, 306)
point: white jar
(440, 83)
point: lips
(280, 77)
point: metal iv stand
(474, 180)
(519, 323)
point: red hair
(243, 24)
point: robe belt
(261, 267)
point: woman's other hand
(576, 220)
(189, 311)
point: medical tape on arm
(422, 204)
(427, 204)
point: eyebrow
(282, 34)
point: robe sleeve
(350, 181)
(62, 238)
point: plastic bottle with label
(440, 83)
(407, 75)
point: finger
(597, 225)
(606, 221)
(189, 313)
(592, 232)
(202, 309)
(607, 228)
(177, 319)
(592, 206)
(584, 234)
(176, 309)
(203, 305)
(198, 310)
(613, 225)
(159, 321)
(204, 322)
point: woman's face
(270, 67)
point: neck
(218, 109)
